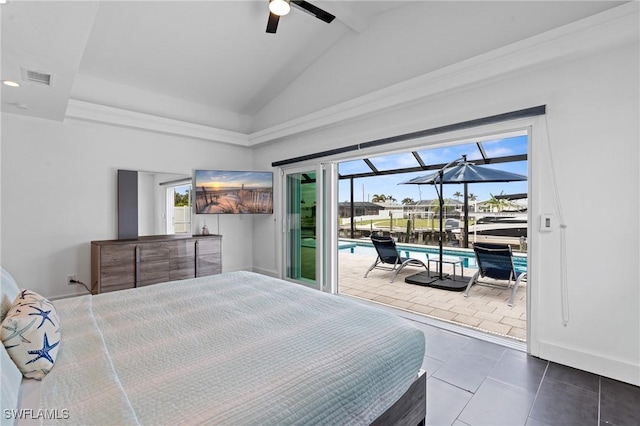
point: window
(178, 212)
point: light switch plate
(547, 222)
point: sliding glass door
(302, 226)
(308, 253)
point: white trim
(320, 235)
(532, 274)
(168, 210)
(331, 228)
(267, 272)
(536, 160)
(614, 27)
(68, 295)
(588, 361)
(87, 111)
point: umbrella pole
(465, 240)
(352, 212)
(441, 219)
(441, 195)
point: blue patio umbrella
(465, 172)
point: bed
(230, 349)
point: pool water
(468, 258)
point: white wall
(410, 41)
(593, 121)
(59, 189)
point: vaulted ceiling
(211, 63)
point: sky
(366, 188)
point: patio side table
(451, 260)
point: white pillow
(31, 334)
(11, 379)
(8, 292)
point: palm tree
(435, 208)
(457, 194)
(499, 204)
(473, 197)
(408, 201)
(391, 198)
(378, 198)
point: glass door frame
(326, 227)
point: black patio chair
(388, 255)
(495, 261)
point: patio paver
(485, 309)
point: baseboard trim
(66, 296)
(268, 272)
(593, 363)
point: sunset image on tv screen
(233, 192)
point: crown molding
(614, 27)
(611, 28)
(87, 111)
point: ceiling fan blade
(272, 23)
(313, 10)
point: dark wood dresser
(122, 264)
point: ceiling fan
(278, 8)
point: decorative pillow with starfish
(31, 334)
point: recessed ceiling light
(10, 83)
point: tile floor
(474, 382)
(485, 309)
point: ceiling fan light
(279, 7)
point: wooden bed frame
(410, 409)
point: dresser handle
(137, 266)
(197, 254)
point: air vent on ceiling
(37, 77)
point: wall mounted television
(233, 192)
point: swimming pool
(468, 258)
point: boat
(498, 229)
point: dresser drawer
(185, 248)
(154, 271)
(182, 268)
(119, 275)
(153, 252)
(117, 254)
(208, 267)
(208, 246)
(116, 287)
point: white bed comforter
(231, 349)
